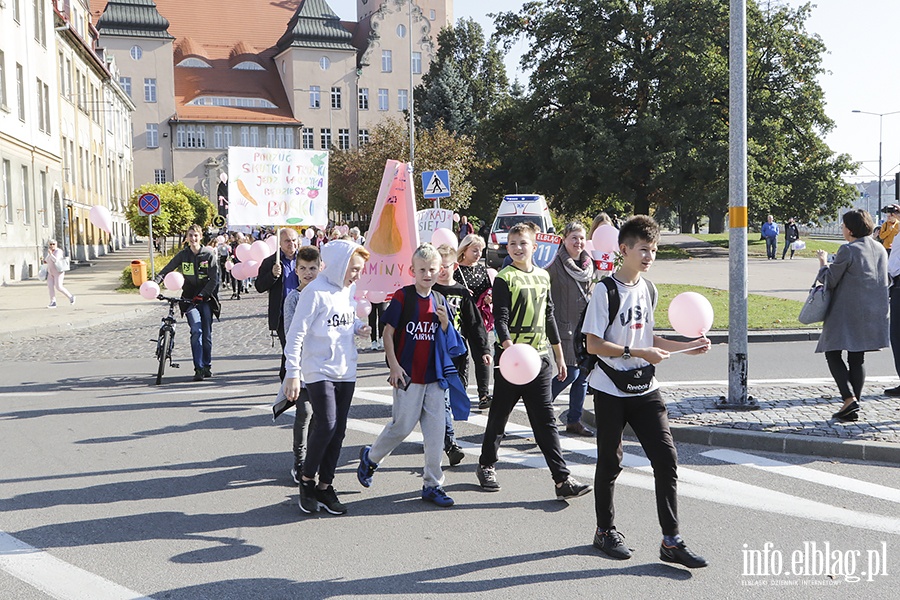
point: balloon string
(689, 349)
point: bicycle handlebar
(171, 300)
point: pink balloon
(149, 290)
(243, 252)
(456, 217)
(363, 308)
(344, 229)
(310, 233)
(272, 243)
(589, 246)
(376, 297)
(220, 239)
(174, 281)
(491, 274)
(251, 268)
(259, 250)
(520, 364)
(229, 265)
(443, 236)
(691, 314)
(606, 238)
(101, 218)
(239, 271)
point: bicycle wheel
(162, 351)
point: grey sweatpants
(423, 404)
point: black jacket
(266, 282)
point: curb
(786, 443)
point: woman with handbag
(57, 265)
(858, 283)
(472, 274)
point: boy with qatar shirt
(410, 349)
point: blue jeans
(577, 392)
(771, 246)
(199, 317)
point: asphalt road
(114, 488)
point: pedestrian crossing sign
(435, 184)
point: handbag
(42, 273)
(816, 306)
(798, 245)
(632, 381)
(63, 264)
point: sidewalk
(23, 305)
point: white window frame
(226, 135)
(336, 98)
(217, 137)
(363, 99)
(152, 135)
(159, 176)
(384, 99)
(308, 138)
(325, 138)
(402, 100)
(254, 137)
(7, 191)
(417, 63)
(149, 89)
(344, 139)
(387, 61)
(315, 96)
(363, 137)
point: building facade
(289, 74)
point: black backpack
(584, 360)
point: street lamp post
(881, 117)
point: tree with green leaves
(180, 207)
(628, 107)
(354, 175)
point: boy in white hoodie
(321, 340)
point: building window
(65, 157)
(402, 100)
(344, 139)
(2, 80)
(417, 63)
(125, 82)
(190, 136)
(432, 15)
(280, 138)
(307, 137)
(383, 102)
(363, 98)
(289, 137)
(227, 135)
(324, 63)
(401, 31)
(387, 61)
(254, 137)
(245, 136)
(40, 27)
(159, 176)
(315, 96)
(20, 90)
(26, 196)
(180, 134)
(270, 137)
(47, 107)
(217, 136)
(363, 137)
(137, 52)
(336, 98)
(68, 80)
(249, 65)
(40, 105)
(152, 135)
(149, 90)
(196, 63)
(7, 191)
(17, 14)
(326, 138)
(45, 205)
(201, 136)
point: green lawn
(763, 312)
(757, 247)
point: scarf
(583, 273)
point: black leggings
(330, 402)
(846, 379)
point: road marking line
(806, 474)
(55, 577)
(808, 381)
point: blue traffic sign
(435, 184)
(148, 204)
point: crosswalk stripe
(55, 577)
(806, 474)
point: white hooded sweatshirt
(320, 342)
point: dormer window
(194, 63)
(249, 65)
(231, 101)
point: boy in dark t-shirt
(465, 317)
(410, 350)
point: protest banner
(431, 219)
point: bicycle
(165, 342)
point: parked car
(515, 209)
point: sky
(863, 42)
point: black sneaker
(198, 374)
(308, 502)
(487, 477)
(893, 392)
(572, 488)
(611, 543)
(207, 373)
(851, 413)
(328, 500)
(456, 455)
(296, 470)
(366, 468)
(682, 555)
(484, 402)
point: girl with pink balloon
(626, 391)
(199, 269)
(526, 332)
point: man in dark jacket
(200, 268)
(279, 277)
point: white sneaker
(380, 344)
(72, 300)
(51, 305)
(374, 345)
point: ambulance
(515, 209)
